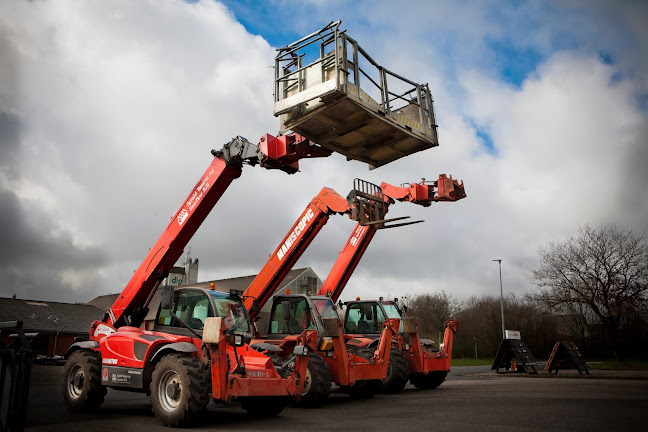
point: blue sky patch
(264, 19)
(514, 64)
(485, 138)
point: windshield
(391, 310)
(325, 308)
(192, 306)
(232, 311)
(364, 318)
(291, 315)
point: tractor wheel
(363, 389)
(397, 372)
(428, 381)
(263, 406)
(82, 389)
(180, 390)
(317, 382)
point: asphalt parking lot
(471, 399)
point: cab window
(392, 312)
(192, 307)
(233, 314)
(325, 308)
(364, 318)
(291, 316)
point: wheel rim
(76, 381)
(170, 391)
(389, 371)
(308, 381)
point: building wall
(58, 344)
(48, 345)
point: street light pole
(475, 347)
(499, 261)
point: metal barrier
(15, 372)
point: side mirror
(167, 297)
(255, 305)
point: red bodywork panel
(132, 347)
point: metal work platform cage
(344, 101)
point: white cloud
(115, 106)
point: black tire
(180, 390)
(397, 372)
(363, 389)
(428, 381)
(264, 406)
(82, 389)
(317, 382)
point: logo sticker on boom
(103, 329)
(294, 235)
(182, 216)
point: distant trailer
(344, 101)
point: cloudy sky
(109, 110)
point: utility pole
(499, 261)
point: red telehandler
(415, 359)
(355, 372)
(197, 351)
(356, 369)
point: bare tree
(604, 269)
(432, 311)
(479, 324)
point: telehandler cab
(413, 358)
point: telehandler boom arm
(282, 153)
(365, 204)
(444, 189)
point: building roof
(103, 302)
(243, 282)
(76, 318)
(225, 285)
(49, 317)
